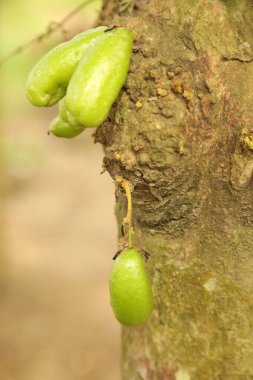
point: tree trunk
(182, 133)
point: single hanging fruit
(130, 289)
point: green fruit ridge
(130, 289)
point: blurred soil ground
(55, 316)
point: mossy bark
(182, 133)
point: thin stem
(127, 221)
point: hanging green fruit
(130, 289)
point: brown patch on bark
(166, 373)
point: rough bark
(182, 133)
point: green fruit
(98, 78)
(62, 128)
(130, 289)
(62, 109)
(48, 80)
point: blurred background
(57, 227)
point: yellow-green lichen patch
(181, 374)
(211, 284)
(247, 138)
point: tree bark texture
(182, 133)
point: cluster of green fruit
(86, 75)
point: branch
(52, 28)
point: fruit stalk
(127, 221)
